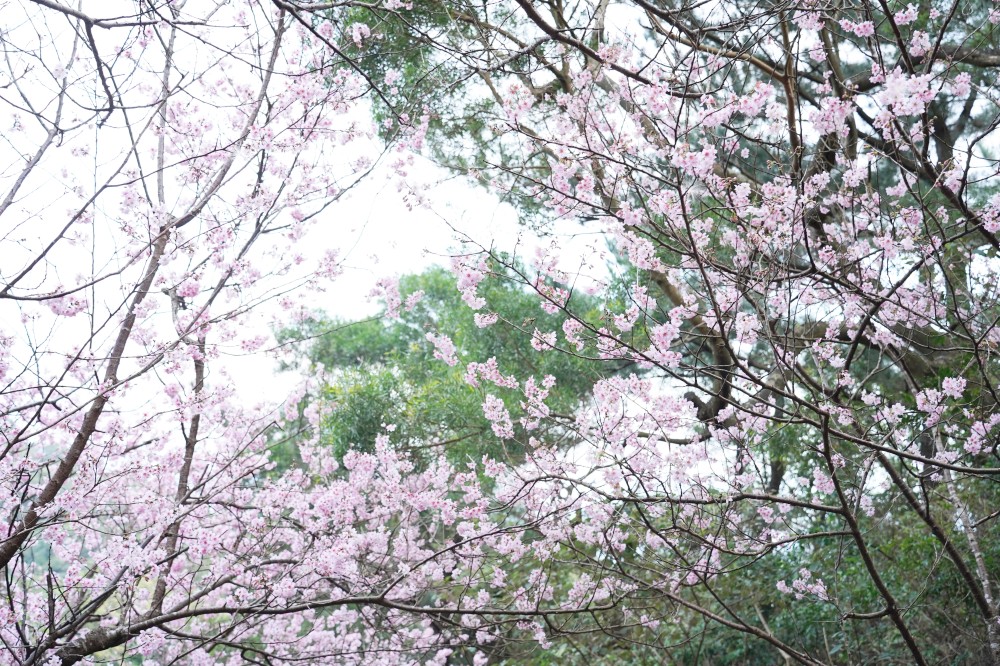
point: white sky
(380, 235)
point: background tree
(384, 370)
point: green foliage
(384, 372)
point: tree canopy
(393, 370)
